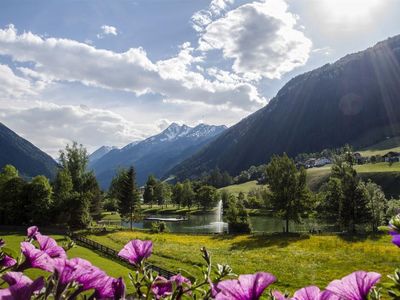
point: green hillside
(387, 176)
(383, 147)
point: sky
(112, 72)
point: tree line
(72, 199)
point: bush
(158, 227)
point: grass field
(243, 187)
(295, 260)
(111, 267)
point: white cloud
(202, 18)
(107, 30)
(132, 71)
(56, 125)
(260, 38)
(12, 85)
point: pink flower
(395, 238)
(136, 251)
(180, 280)
(246, 287)
(49, 245)
(2, 243)
(355, 286)
(7, 261)
(110, 288)
(80, 271)
(394, 230)
(279, 296)
(32, 231)
(20, 286)
(313, 293)
(35, 258)
(161, 287)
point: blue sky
(111, 72)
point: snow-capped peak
(175, 131)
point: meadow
(296, 260)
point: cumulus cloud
(132, 71)
(260, 37)
(107, 30)
(56, 125)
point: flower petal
(355, 286)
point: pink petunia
(246, 287)
(110, 288)
(35, 258)
(32, 231)
(161, 287)
(7, 261)
(136, 251)
(20, 286)
(80, 271)
(355, 286)
(313, 293)
(49, 245)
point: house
(322, 162)
(359, 159)
(310, 163)
(391, 156)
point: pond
(209, 223)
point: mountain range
(27, 158)
(155, 155)
(355, 100)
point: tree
(159, 193)
(12, 204)
(149, 189)
(38, 199)
(207, 196)
(167, 193)
(9, 172)
(331, 207)
(393, 208)
(91, 186)
(353, 209)
(177, 194)
(187, 194)
(78, 210)
(75, 159)
(225, 198)
(123, 187)
(290, 196)
(376, 204)
(62, 191)
(237, 216)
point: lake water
(208, 223)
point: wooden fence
(114, 254)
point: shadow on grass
(360, 237)
(263, 240)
